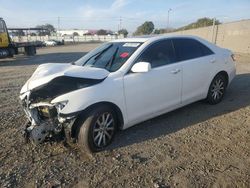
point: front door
(148, 94)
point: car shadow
(237, 97)
(22, 60)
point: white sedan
(122, 83)
(50, 43)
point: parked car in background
(50, 43)
(122, 83)
(39, 43)
(58, 42)
(53, 42)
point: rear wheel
(98, 129)
(217, 89)
(11, 52)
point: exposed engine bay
(45, 119)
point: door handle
(175, 71)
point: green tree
(32, 34)
(160, 31)
(123, 32)
(163, 30)
(47, 29)
(101, 32)
(145, 29)
(75, 34)
(202, 22)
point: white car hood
(47, 72)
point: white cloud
(89, 11)
(117, 4)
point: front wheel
(98, 129)
(217, 89)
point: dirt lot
(196, 146)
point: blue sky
(96, 14)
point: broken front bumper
(44, 119)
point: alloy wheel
(103, 129)
(217, 89)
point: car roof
(151, 38)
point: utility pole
(213, 41)
(58, 26)
(168, 17)
(215, 31)
(120, 24)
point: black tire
(88, 133)
(11, 52)
(30, 50)
(216, 94)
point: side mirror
(141, 67)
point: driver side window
(159, 54)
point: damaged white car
(120, 84)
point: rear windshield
(109, 56)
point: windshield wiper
(98, 54)
(110, 63)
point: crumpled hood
(47, 72)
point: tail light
(233, 57)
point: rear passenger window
(159, 54)
(190, 49)
(205, 50)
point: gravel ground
(196, 146)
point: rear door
(197, 63)
(155, 91)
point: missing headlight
(61, 105)
(47, 112)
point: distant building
(71, 32)
(81, 32)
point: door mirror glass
(141, 67)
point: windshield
(2, 26)
(109, 56)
